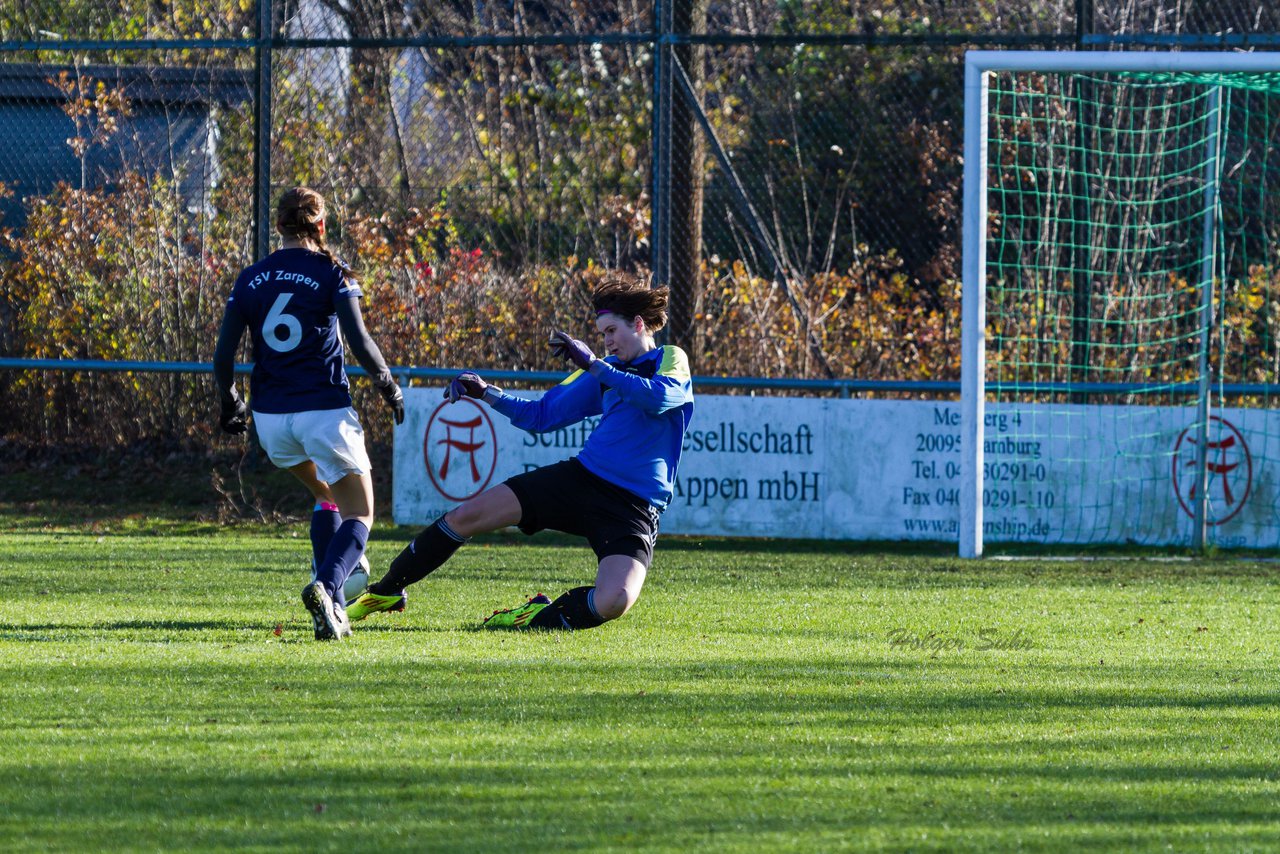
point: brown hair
(631, 296)
(299, 215)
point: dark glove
(465, 384)
(234, 418)
(568, 347)
(394, 397)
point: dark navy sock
(420, 558)
(573, 610)
(344, 553)
(325, 520)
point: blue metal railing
(842, 387)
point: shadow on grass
(26, 631)
(604, 752)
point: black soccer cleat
(324, 617)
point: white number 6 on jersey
(277, 318)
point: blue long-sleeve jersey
(645, 407)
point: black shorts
(566, 497)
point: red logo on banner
(1230, 470)
(460, 449)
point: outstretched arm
(670, 388)
(578, 397)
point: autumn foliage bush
(541, 189)
(122, 274)
(131, 271)
(129, 274)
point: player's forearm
(549, 412)
(224, 356)
(525, 414)
(370, 358)
(366, 352)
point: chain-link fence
(791, 169)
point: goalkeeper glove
(394, 397)
(568, 347)
(234, 417)
(465, 384)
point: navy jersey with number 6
(288, 300)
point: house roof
(141, 83)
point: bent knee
(458, 518)
(612, 602)
(467, 520)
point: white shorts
(331, 438)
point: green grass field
(767, 696)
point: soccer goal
(1121, 333)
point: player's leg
(282, 436)
(325, 517)
(334, 441)
(492, 509)
(353, 494)
(621, 528)
(305, 472)
(618, 582)
(325, 596)
(278, 435)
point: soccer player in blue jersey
(612, 492)
(294, 302)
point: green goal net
(1129, 266)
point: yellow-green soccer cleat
(369, 602)
(517, 618)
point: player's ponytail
(299, 215)
(631, 296)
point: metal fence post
(262, 132)
(1081, 233)
(660, 225)
(1208, 259)
(1084, 21)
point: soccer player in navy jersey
(612, 492)
(294, 302)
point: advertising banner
(887, 470)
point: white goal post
(1197, 226)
